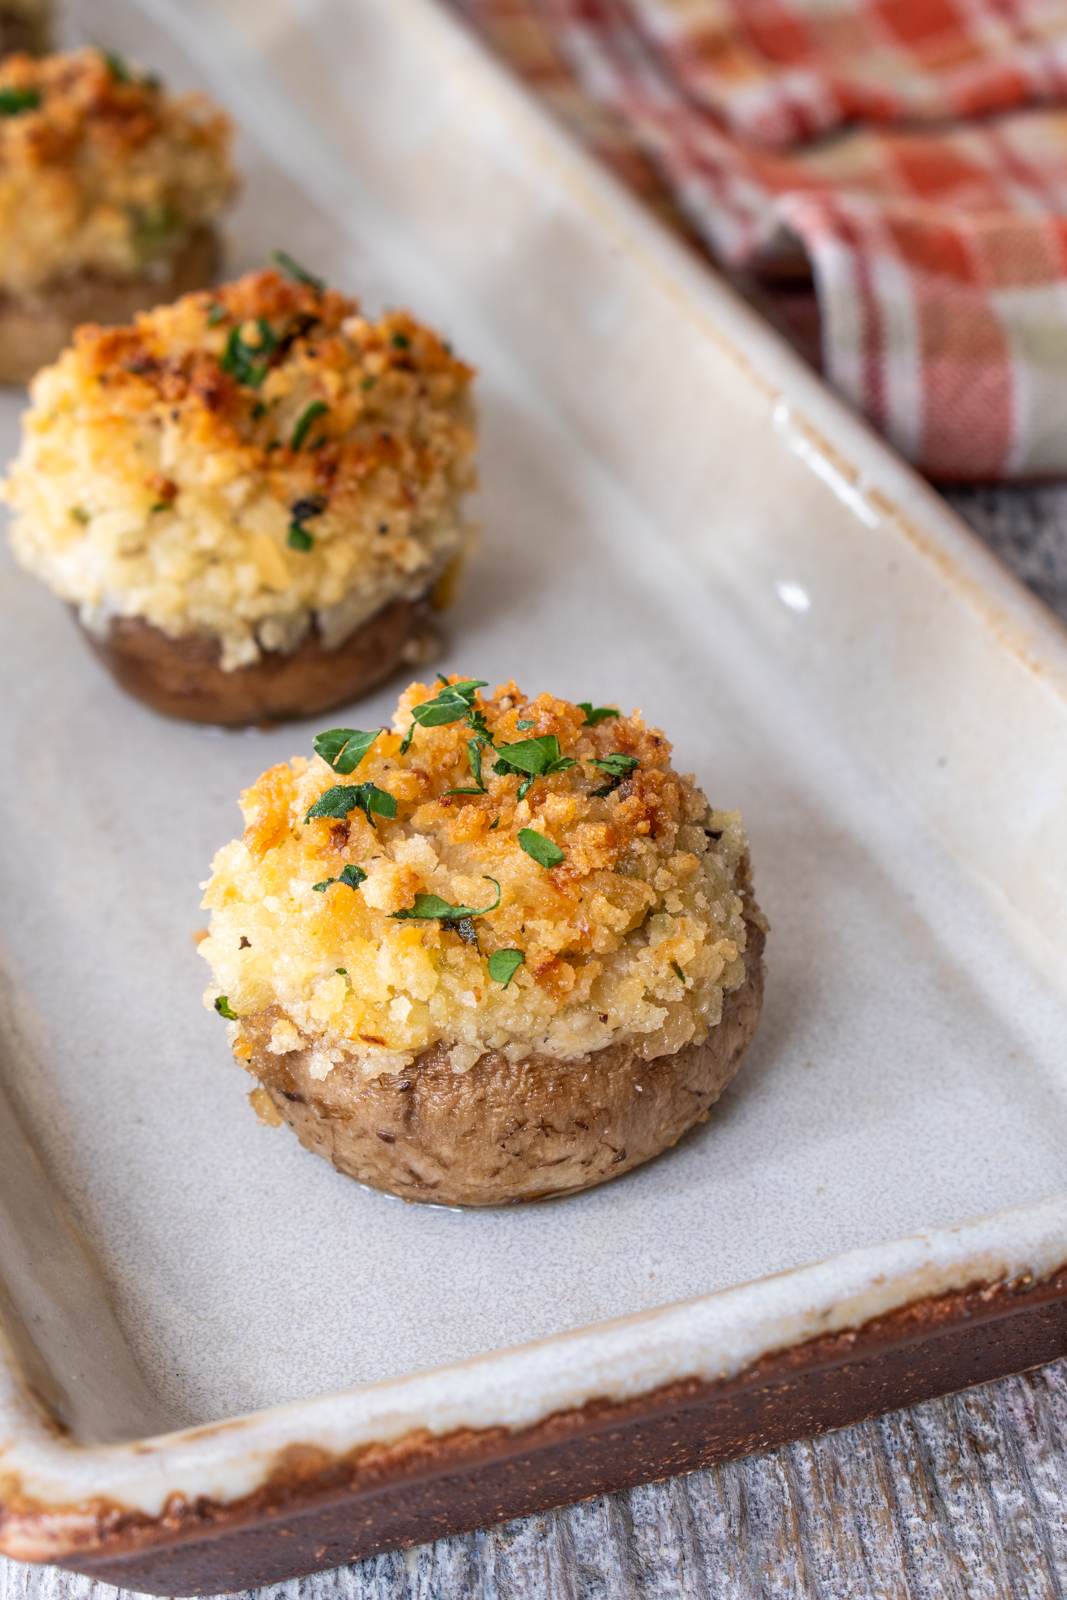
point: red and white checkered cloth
(907, 156)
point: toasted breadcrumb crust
(101, 171)
(245, 463)
(637, 934)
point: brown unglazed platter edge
(316, 1510)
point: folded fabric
(908, 156)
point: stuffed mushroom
(499, 951)
(110, 189)
(252, 498)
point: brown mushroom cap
(184, 677)
(507, 1131)
(35, 330)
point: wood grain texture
(957, 1499)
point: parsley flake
(595, 714)
(246, 362)
(543, 851)
(452, 703)
(679, 974)
(431, 908)
(317, 408)
(617, 767)
(351, 875)
(346, 797)
(532, 758)
(292, 269)
(224, 1008)
(13, 102)
(344, 748)
(299, 538)
(503, 965)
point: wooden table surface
(956, 1498)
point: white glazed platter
(676, 515)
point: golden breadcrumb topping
(246, 462)
(537, 877)
(101, 171)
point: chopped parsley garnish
(503, 965)
(246, 362)
(452, 703)
(368, 382)
(117, 66)
(14, 101)
(342, 972)
(317, 408)
(224, 1008)
(543, 851)
(595, 714)
(679, 974)
(494, 825)
(313, 505)
(617, 767)
(532, 758)
(344, 748)
(79, 514)
(346, 797)
(525, 722)
(431, 908)
(215, 315)
(401, 341)
(474, 756)
(352, 875)
(294, 270)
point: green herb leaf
(224, 1008)
(617, 767)
(368, 382)
(344, 748)
(317, 408)
(525, 723)
(431, 908)
(346, 797)
(117, 66)
(595, 714)
(503, 965)
(79, 514)
(298, 538)
(14, 101)
(474, 756)
(452, 703)
(342, 972)
(294, 270)
(215, 315)
(401, 341)
(494, 825)
(249, 363)
(352, 875)
(544, 852)
(535, 758)
(678, 971)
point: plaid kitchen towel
(907, 157)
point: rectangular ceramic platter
(675, 516)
